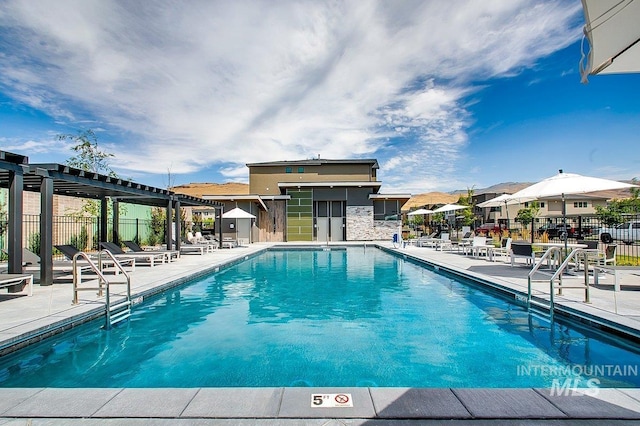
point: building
(579, 208)
(311, 200)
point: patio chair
(425, 238)
(150, 259)
(444, 242)
(12, 281)
(522, 249)
(69, 251)
(188, 247)
(31, 261)
(170, 255)
(505, 248)
(479, 246)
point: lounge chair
(187, 247)
(69, 251)
(11, 281)
(425, 238)
(30, 260)
(169, 254)
(150, 259)
(443, 242)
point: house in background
(311, 200)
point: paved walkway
(27, 318)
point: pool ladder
(554, 254)
(116, 312)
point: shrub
(80, 241)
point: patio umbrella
(450, 208)
(501, 200)
(613, 33)
(237, 213)
(567, 183)
(419, 211)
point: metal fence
(586, 227)
(81, 232)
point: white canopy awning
(613, 30)
(237, 213)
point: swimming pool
(357, 317)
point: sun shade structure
(565, 184)
(18, 175)
(237, 213)
(419, 211)
(450, 208)
(503, 200)
(613, 32)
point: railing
(555, 253)
(114, 313)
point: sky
(454, 95)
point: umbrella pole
(564, 219)
(507, 210)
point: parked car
(627, 232)
(486, 228)
(554, 230)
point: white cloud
(213, 82)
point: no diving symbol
(331, 400)
(342, 398)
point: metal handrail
(547, 255)
(107, 297)
(557, 275)
(101, 278)
(77, 277)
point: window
(287, 169)
(386, 210)
(540, 204)
(580, 204)
(300, 169)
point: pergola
(18, 175)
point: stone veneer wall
(362, 227)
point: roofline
(316, 162)
(341, 184)
(231, 197)
(389, 196)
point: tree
(613, 213)
(468, 218)
(525, 216)
(89, 156)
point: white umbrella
(237, 213)
(450, 208)
(501, 200)
(419, 211)
(613, 30)
(567, 183)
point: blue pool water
(359, 317)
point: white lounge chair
(11, 280)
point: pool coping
(282, 403)
(285, 404)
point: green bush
(34, 243)
(80, 241)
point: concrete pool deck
(25, 318)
